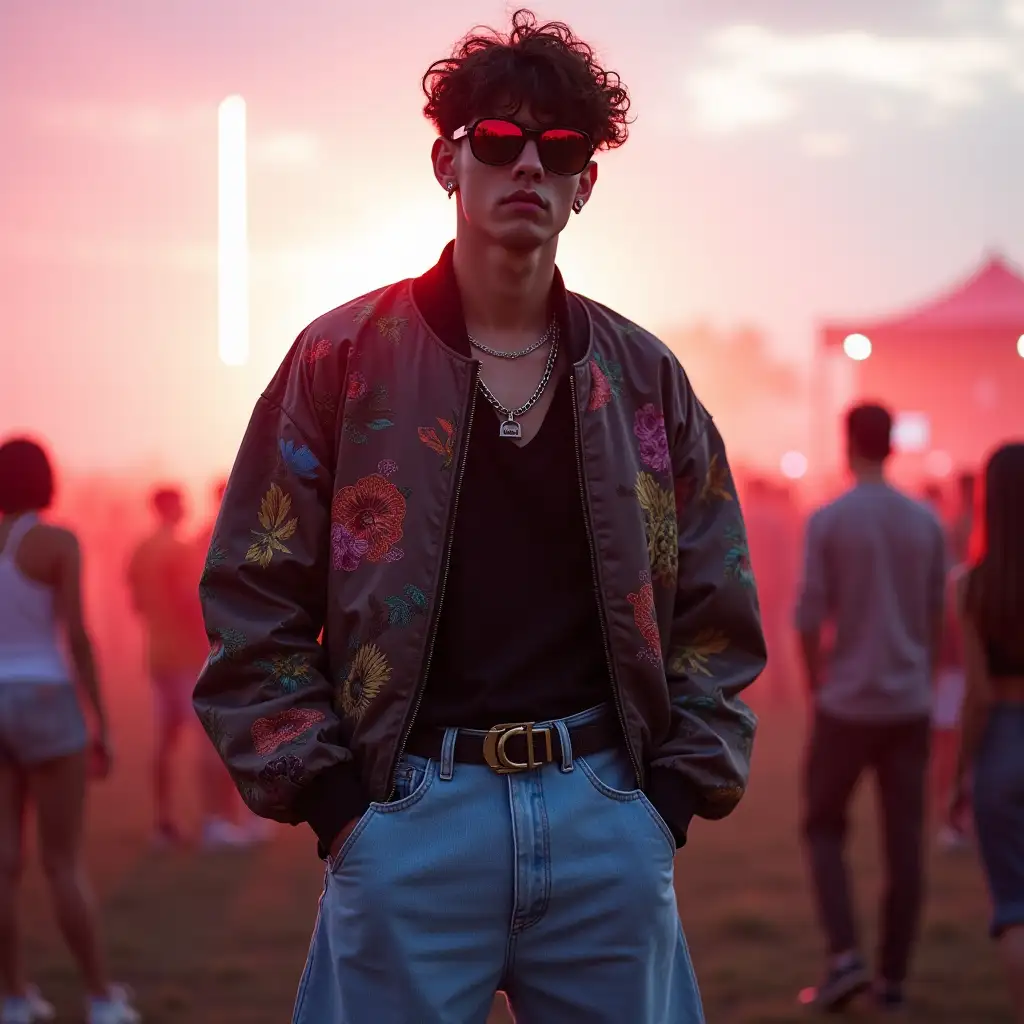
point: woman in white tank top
(45, 753)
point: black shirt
(519, 636)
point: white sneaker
(221, 834)
(115, 1009)
(31, 1008)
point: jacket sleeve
(264, 696)
(716, 647)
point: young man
(515, 525)
(875, 568)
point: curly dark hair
(545, 67)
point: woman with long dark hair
(992, 751)
(45, 750)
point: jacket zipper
(444, 584)
(577, 430)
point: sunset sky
(790, 160)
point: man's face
(485, 193)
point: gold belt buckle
(494, 747)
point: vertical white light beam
(233, 241)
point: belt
(518, 746)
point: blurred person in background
(480, 549)
(991, 764)
(46, 753)
(876, 569)
(161, 580)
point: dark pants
(839, 753)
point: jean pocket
(623, 789)
(333, 863)
(413, 777)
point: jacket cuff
(333, 799)
(673, 800)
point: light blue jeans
(554, 886)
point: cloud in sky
(752, 76)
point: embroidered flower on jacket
(371, 510)
(279, 776)
(737, 558)
(215, 558)
(646, 619)
(357, 386)
(649, 427)
(367, 410)
(347, 551)
(226, 643)
(606, 382)
(213, 724)
(277, 527)
(368, 674)
(318, 350)
(445, 448)
(659, 507)
(300, 460)
(289, 671)
(716, 483)
(692, 658)
(270, 733)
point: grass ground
(221, 939)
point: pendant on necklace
(509, 428)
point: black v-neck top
(519, 637)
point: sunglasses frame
(469, 131)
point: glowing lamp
(857, 346)
(793, 465)
(1020, 346)
(232, 235)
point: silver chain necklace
(509, 427)
(519, 353)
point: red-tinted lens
(496, 142)
(564, 151)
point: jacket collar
(436, 293)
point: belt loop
(448, 754)
(566, 744)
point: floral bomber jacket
(325, 575)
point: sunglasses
(497, 141)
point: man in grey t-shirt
(875, 573)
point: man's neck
(504, 294)
(869, 473)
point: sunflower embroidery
(645, 617)
(716, 482)
(693, 657)
(737, 558)
(215, 558)
(368, 674)
(606, 382)
(277, 527)
(445, 448)
(290, 672)
(372, 510)
(659, 507)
